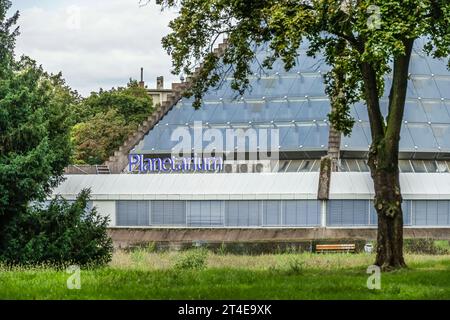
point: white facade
(256, 199)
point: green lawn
(145, 275)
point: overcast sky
(96, 44)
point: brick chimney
(142, 83)
(160, 83)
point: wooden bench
(323, 248)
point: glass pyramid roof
(295, 102)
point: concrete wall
(124, 237)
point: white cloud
(97, 43)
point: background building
(283, 193)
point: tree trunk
(383, 158)
(387, 203)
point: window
(431, 212)
(271, 213)
(132, 213)
(242, 213)
(405, 166)
(348, 212)
(205, 213)
(168, 212)
(301, 213)
(418, 166)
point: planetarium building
(267, 146)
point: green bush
(63, 233)
(193, 260)
(424, 246)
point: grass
(142, 274)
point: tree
(132, 102)
(102, 121)
(34, 128)
(95, 139)
(60, 233)
(362, 40)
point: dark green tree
(34, 127)
(61, 233)
(363, 40)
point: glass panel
(316, 135)
(418, 166)
(180, 113)
(289, 213)
(384, 107)
(243, 213)
(442, 133)
(387, 86)
(436, 111)
(443, 84)
(359, 111)
(306, 166)
(431, 166)
(203, 114)
(310, 85)
(373, 215)
(406, 208)
(204, 213)
(361, 212)
(132, 213)
(334, 212)
(291, 137)
(357, 140)
(443, 213)
(363, 166)
(288, 111)
(418, 65)
(272, 213)
(352, 165)
(222, 91)
(294, 165)
(270, 87)
(223, 112)
(414, 112)
(313, 110)
(164, 142)
(406, 141)
(168, 212)
(301, 212)
(425, 87)
(432, 212)
(255, 111)
(411, 92)
(283, 165)
(420, 212)
(150, 141)
(438, 66)
(423, 137)
(313, 209)
(405, 166)
(343, 166)
(348, 212)
(316, 166)
(441, 166)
